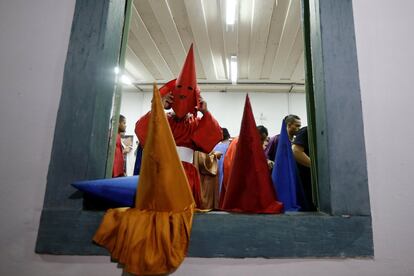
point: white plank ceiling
(266, 38)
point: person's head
(184, 89)
(226, 134)
(293, 124)
(263, 133)
(122, 124)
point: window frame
(342, 228)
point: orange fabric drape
(153, 237)
(207, 166)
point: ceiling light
(233, 69)
(230, 12)
(126, 80)
(116, 70)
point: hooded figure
(184, 89)
(189, 131)
(248, 186)
(153, 236)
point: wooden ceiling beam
(290, 29)
(136, 67)
(180, 16)
(276, 27)
(197, 20)
(294, 56)
(260, 27)
(244, 30)
(139, 29)
(298, 74)
(140, 52)
(213, 16)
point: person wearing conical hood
(153, 237)
(249, 188)
(190, 132)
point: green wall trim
(339, 132)
(117, 99)
(80, 141)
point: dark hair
(226, 134)
(289, 119)
(262, 130)
(121, 118)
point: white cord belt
(185, 154)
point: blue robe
(221, 147)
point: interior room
(241, 47)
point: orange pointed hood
(250, 188)
(163, 185)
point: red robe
(118, 168)
(248, 187)
(200, 134)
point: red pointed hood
(187, 75)
(250, 188)
(184, 89)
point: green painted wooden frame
(342, 228)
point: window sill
(294, 235)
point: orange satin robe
(152, 238)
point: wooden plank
(258, 37)
(212, 11)
(139, 51)
(149, 46)
(290, 29)
(296, 53)
(279, 17)
(135, 66)
(197, 21)
(298, 74)
(244, 31)
(169, 29)
(227, 235)
(149, 17)
(180, 16)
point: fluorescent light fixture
(233, 69)
(116, 70)
(126, 80)
(230, 12)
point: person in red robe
(190, 132)
(119, 164)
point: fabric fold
(249, 188)
(153, 237)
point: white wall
(131, 108)
(268, 108)
(33, 45)
(34, 39)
